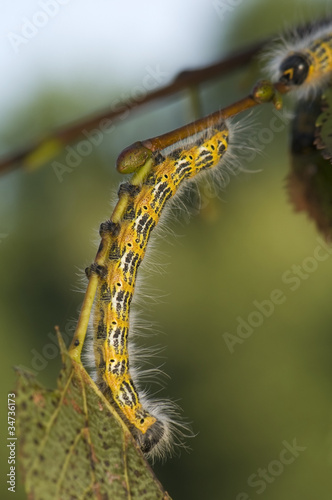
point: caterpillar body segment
(126, 238)
(305, 61)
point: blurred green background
(276, 385)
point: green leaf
(73, 444)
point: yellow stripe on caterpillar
(141, 208)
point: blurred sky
(108, 43)
(99, 36)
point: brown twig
(183, 80)
(136, 154)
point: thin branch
(183, 80)
(135, 155)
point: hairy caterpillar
(303, 60)
(161, 166)
(124, 240)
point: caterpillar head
(132, 158)
(294, 70)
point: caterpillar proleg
(124, 238)
(303, 60)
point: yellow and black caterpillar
(303, 60)
(124, 240)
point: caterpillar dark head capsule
(294, 70)
(151, 438)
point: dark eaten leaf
(73, 445)
(310, 181)
(324, 126)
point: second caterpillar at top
(303, 59)
(124, 239)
